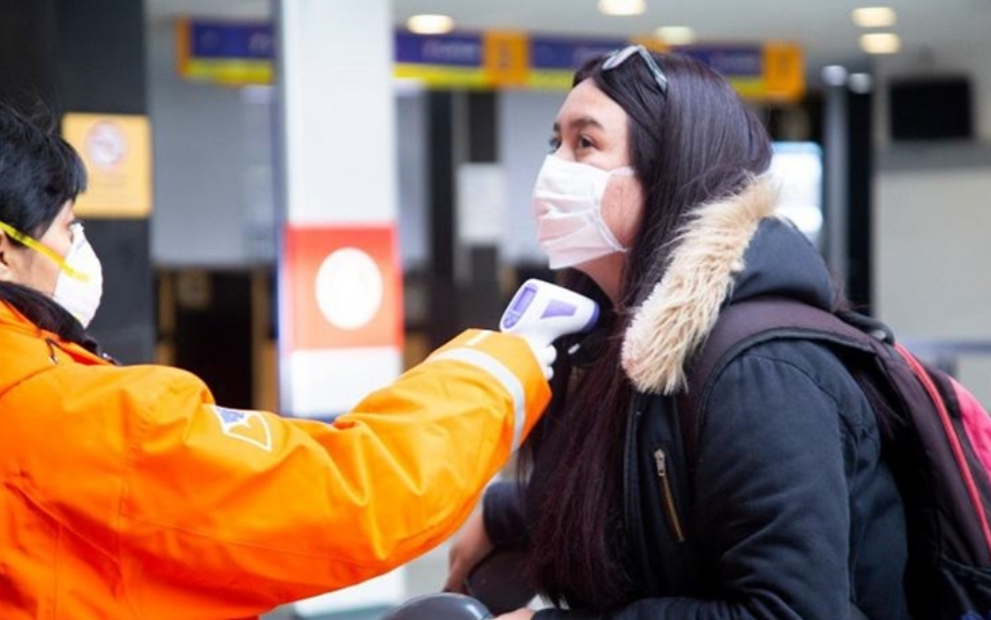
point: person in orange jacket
(129, 493)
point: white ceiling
(822, 27)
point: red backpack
(936, 438)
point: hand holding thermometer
(542, 312)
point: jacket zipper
(52, 347)
(633, 490)
(667, 496)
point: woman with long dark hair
(657, 200)
(126, 492)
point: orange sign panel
(344, 287)
(116, 150)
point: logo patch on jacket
(248, 426)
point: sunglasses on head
(618, 57)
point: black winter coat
(788, 510)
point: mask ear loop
(44, 251)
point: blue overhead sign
(729, 60)
(209, 39)
(461, 50)
(234, 53)
(568, 53)
(239, 53)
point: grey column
(836, 150)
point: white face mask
(567, 203)
(80, 287)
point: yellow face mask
(44, 250)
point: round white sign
(349, 288)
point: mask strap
(44, 250)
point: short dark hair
(696, 143)
(39, 172)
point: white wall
(932, 256)
(932, 251)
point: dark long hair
(699, 142)
(39, 173)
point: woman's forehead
(586, 103)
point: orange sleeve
(238, 511)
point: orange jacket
(128, 494)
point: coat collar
(25, 348)
(683, 307)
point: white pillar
(339, 294)
(338, 189)
(335, 80)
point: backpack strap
(745, 324)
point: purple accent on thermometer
(593, 319)
(518, 306)
(524, 298)
(558, 308)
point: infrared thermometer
(542, 312)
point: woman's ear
(6, 255)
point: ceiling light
(880, 43)
(622, 7)
(676, 35)
(874, 17)
(834, 75)
(430, 24)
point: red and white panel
(340, 325)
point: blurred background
(297, 199)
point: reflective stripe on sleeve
(503, 375)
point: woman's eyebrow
(577, 124)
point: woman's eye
(584, 142)
(554, 143)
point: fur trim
(683, 307)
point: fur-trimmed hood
(731, 249)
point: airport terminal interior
(289, 189)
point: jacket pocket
(667, 495)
